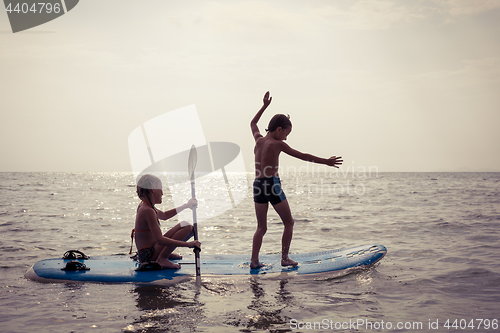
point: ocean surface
(441, 272)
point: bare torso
(143, 235)
(267, 151)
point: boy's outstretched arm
(332, 161)
(253, 124)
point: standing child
(267, 185)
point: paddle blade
(193, 156)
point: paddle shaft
(195, 230)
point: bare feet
(257, 264)
(165, 263)
(288, 262)
(174, 256)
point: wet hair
(279, 120)
(145, 185)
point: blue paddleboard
(122, 269)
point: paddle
(193, 156)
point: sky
(391, 85)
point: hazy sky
(397, 85)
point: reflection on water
(245, 304)
(268, 305)
(249, 303)
(173, 308)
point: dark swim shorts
(268, 190)
(146, 253)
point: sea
(441, 272)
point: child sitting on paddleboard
(152, 245)
(267, 185)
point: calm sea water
(441, 231)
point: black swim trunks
(146, 253)
(268, 190)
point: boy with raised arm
(267, 185)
